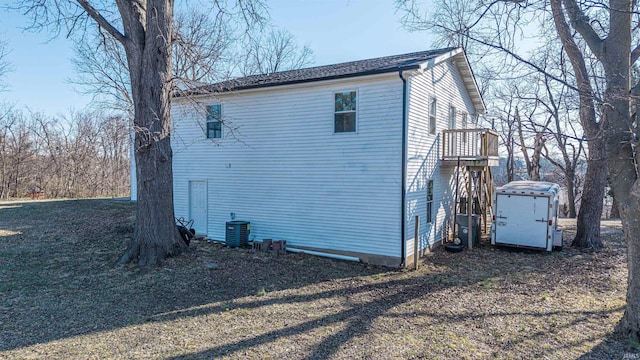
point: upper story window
(452, 117)
(345, 111)
(464, 123)
(214, 121)
(432, 115)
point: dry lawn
(61, 296)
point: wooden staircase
(473, 152)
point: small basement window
(345, 112)
(214, 121)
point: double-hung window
(464, 123)
(214, 121)
(452, 117)
(429, 201)
(345, 112)
(432, 116)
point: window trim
(213, 121)
(355, 112)
(433, 115)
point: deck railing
(465, 144)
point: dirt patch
(61, 296)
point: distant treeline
(85, 154)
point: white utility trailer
(526, 215)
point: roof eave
(440, 58)
(204, 91)
(462, 63)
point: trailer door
(522, 220)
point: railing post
(483, 146)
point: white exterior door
(522, 220)
(198, 205)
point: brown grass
(61, 296)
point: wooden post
(416, 247)
(469, 207)
(481, 199)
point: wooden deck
(470, 148)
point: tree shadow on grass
(58, 277)
(613, 346)
(58, 280)
(361, 316)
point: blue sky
(336, 30)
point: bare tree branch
(102, 22)
(580, 22)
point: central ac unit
(237, 233)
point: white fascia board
(462, 63)
(459, 59)
(438, 59)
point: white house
(337, 159)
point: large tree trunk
(626, 190)
(629, 208)
(614, 214)
(588, 225)
(622, 154)
(571, 193)
(148, 35)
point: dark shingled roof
(349, 69)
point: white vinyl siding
(286, 172)
(443, 83)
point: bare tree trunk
(571, 194)
(588, 226)
(149, 56)
(533, 161)
(629, 208)
(534, 173)
(614, 214)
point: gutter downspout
(403, 209)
